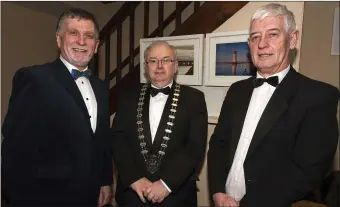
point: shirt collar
(280, 74)
(69, 66)
(170, 85)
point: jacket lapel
(274, 109)
(65, 78)
(240, 111)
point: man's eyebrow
(269, 30)
(162, 57)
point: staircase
(205, 17)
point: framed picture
(227, 58)
(189, 50)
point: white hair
(275, 10)
(156, 43)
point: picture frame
(189, 50)
(227, 58)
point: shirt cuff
(165, 186)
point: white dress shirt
(156, 107)
(87, 93)
(235, 184)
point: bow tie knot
(155, 91)
(274, 81)
(77, 74)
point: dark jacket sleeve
(123, 158)
(107, 173)
(189, 157)
(20, 144)
(218, 148)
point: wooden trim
(107, 61)
(196, 6)
(117, 19)
(178, 14)
(166, 22)
(119, 53)
(146, 18)
(132, 39)
(170, 18)
(160, 18)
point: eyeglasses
(164, 61)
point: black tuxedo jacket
(184, 153)
(292, 147)
(50, 154)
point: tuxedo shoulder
(190, 90)
(241, 83)
(34, 71)
(319, 87)
(318, 91)
(131, 90)
(37, 69)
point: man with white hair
(277, 133)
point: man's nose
(159, 64)
(81, 40)
(263, 42)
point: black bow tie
(274, 81)
(77, 74)
(155, 91)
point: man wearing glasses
(159, 136)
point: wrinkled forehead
(79, 24)
(267, 23)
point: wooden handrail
(166, 22)
(195, 24)
(117, 19)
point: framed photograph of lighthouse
(227, 58)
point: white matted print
(189, 50)
(227, 58)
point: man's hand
(104, 195)
(156, 192)
(223, 200)
(140, 186)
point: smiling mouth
(79, 50)
(265, 55)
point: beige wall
(316, 59)
(316, 43)
(27, 38)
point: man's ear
(293, 39)
(58, 39)
(96, 47)
(176, 66)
